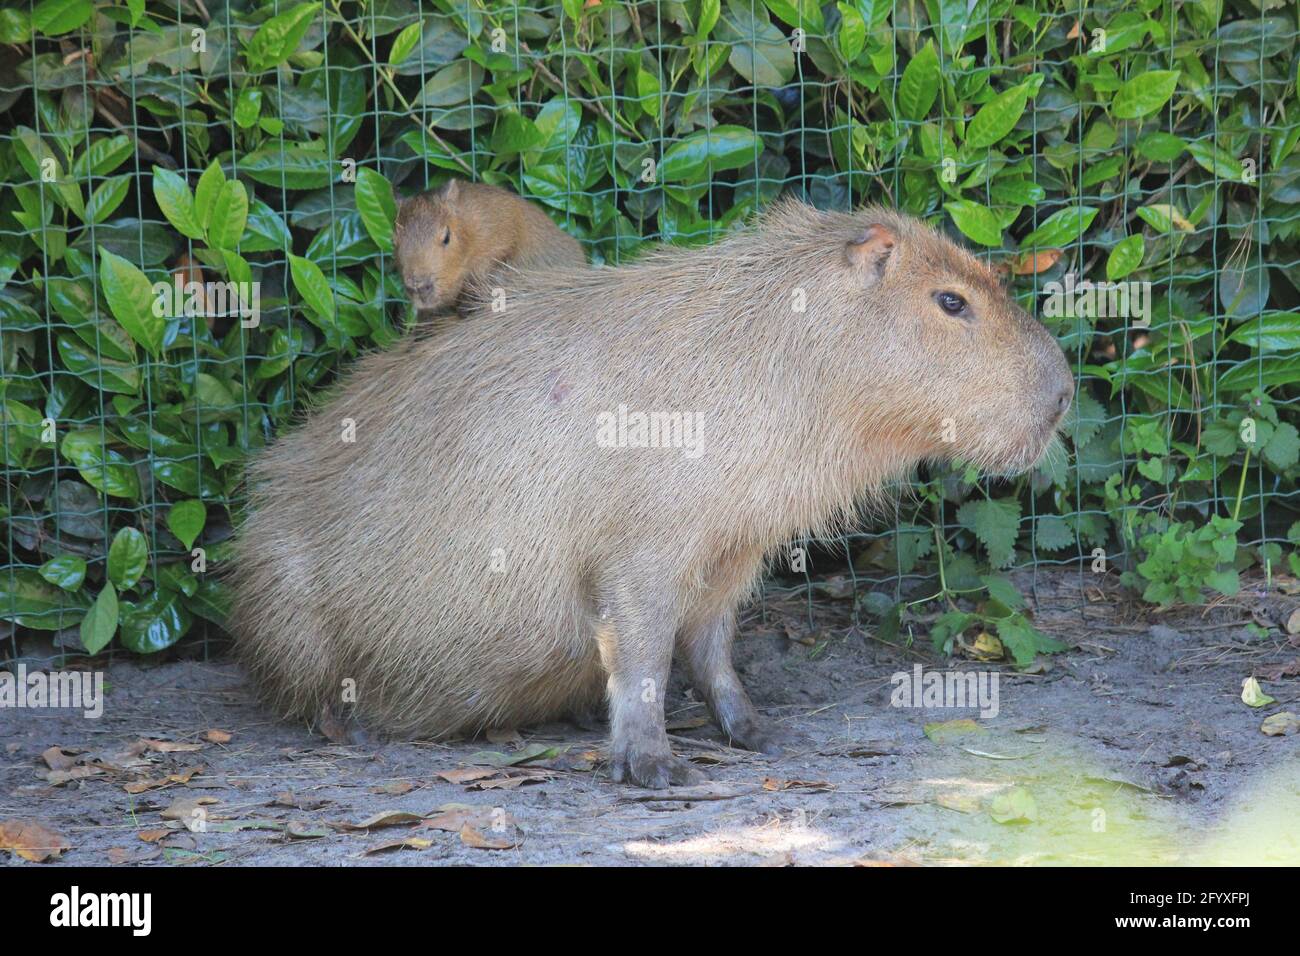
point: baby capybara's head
(434, 247)
(951, 366)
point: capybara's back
(509, 520)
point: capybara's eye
(446, 236)
(952, 303)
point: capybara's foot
(339, 729)
(654, 770)
(757, 735)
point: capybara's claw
(654, 771)
(756, 735)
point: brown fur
(464, 233)
(372, 561)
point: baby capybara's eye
(952, 303)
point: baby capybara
(448, 239)
(499, 525)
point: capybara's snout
(1056, 382)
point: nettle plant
(256, 149)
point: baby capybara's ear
(869, 252)
(451, 190)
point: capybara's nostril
(1063, 399)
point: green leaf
(405, 43)
(27, 599)
(248, 107)
(1213, 159)
(1270, 332)
(131, 298)
(1283, 448)
(453, 85)
(172, 194)
(375, 203)
(853, 31)
(154, 623)
(66, 571)
(976, 222)
(997, 117)
(128, 556)
(107, 196)
(1052, 533)
(288, 167)
(996, 523)
(723, 147)
(1061, 228)
(1144, 94)
(313, 287)
(709, 11)
(759, 51)
(229, 216)
(278, 38)
(207, 191)
(57, 17)
(186, 520)
(1125, 257)
(100, 623)
(1161, 147)
(103, 469)
(919, 85)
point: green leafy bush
(1150, 141)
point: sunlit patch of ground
(777, 840)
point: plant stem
(1241, 485)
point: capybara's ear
(451, 190)
(869, 252)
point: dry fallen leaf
(32, 841)
(1281, 725)
(467, 774)
(217, 736)
(394, 788)
(1292, 624)
(56, 758)
(140, 786)
(303, 830)
(386, 818)
(406, 843)
(476, 839)
(152, 836)
(1033, 262)
(169, 746)
(1279, 670)
(186, 809)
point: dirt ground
(1133, 747)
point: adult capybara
(448, 239)
(503, 523)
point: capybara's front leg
(636, 648)
(706, 643)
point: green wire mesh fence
(1130, 167)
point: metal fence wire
(1150, 145)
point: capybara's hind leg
(706, 644)
(636, 650)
